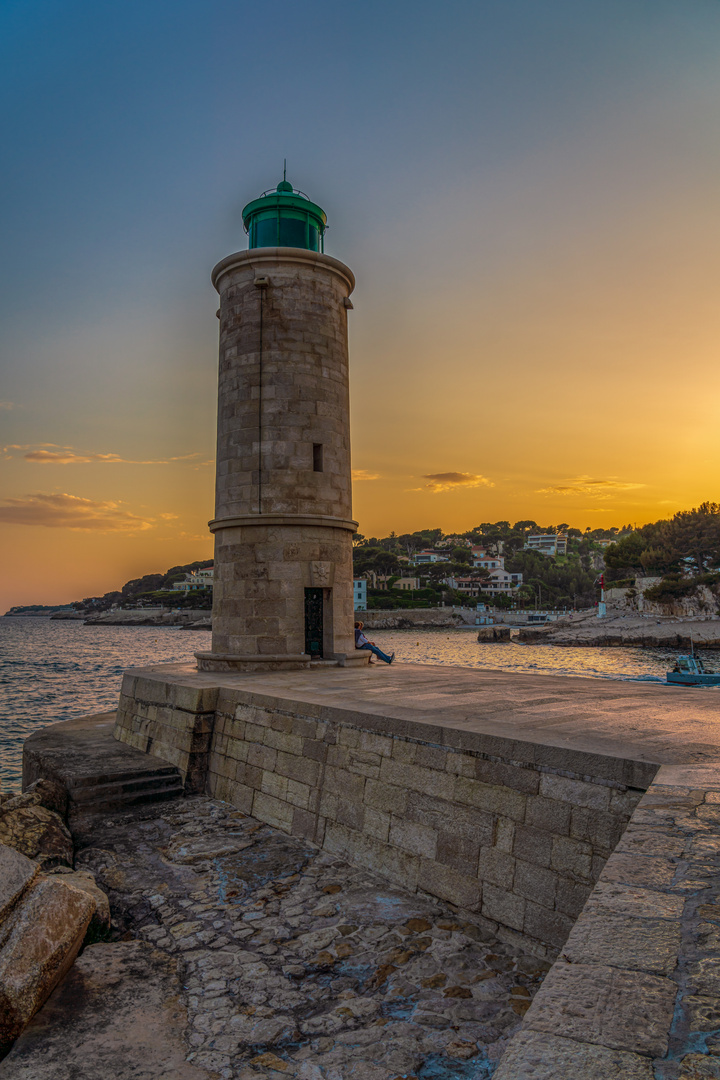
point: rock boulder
(38, 944)
(17, 872)
(82, 879)
(53, 795)
(37, 832)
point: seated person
(361, 642)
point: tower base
(211, 661)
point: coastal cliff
(186, 619)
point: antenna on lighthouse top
(284, 168)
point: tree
(408, 543)
(437, 572)
(695, 535)
(525, 594)
(503, 601)
(385, 562)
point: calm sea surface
(53, 670)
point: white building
(360, 594)
(488, 562)
(198, 579)
(500, 581)
(548, 543)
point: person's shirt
(360, 639)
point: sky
(526, 193)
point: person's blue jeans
(378, 652)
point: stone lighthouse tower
(283, 590)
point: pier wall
(514, 832)
(634, 993)
(575, 818)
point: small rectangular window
(317, 457)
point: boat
(690, 671)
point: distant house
(548, 543)
(465, 585)
(198, 579)
(488, 562)
(360, 594)
(406, 583)
(429, 556)
(453, 541)
(500, 581)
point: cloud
(68, 456)
(364, 474)
(5, 406)
(63, 511)
(447, 481)
(586, 485)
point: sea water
(53, 670)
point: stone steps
(127, 776)
(165, 783)
(99, 773)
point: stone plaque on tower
(283, 589)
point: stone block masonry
(514, 843)
(635, 992)
(283, 511)
(486, 825)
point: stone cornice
(281, 519)
(266, 257)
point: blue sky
(527, 193)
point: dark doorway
(314, 622)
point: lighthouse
(283, 527)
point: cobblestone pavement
(296, 964)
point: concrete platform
(651, 723)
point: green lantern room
(284, 217)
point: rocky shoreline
(583, 629)
(198, 619)
(190, 619)
(586, 630)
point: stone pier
(577, 818)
